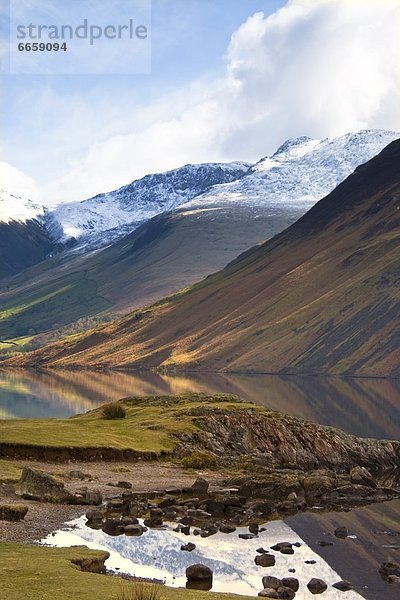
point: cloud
(17, 182)
(314, 67)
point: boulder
(41, 486)
(265, 560)
(280, 545)
(285, 593)
(268, 593)
(227, 528)
(113, 527)
(343, 586)
(124, 484)
(317, 586)
(341, 532)
(155, 519)
(198, 572)
(291, 582)
(254, 528)
(188, 547)
(200, 486)
(134, 530)
(270, 582)
(12, 512)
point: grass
(61, 302)
(9, 471)
(40, 573)
(149, 424)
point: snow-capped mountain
(16, 208)
(302, 171)
(103, 219)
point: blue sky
(230, 80)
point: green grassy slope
(40, 573)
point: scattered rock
(124, 484)
(12, 512)
(281, 545)
(113, 527)
(387, 570)
(39, 485)
(134, 529)
(155, 519)
(291, 582)
(265, 560)
(324, 543)
(317, 586)
(198, 572)
(287, 550)
(227, 528)
(343, 586)
(188, 547)
(254, 528)
(341, 532)
(268, 593)
(285, 593)
(200, 486)
(271, 582)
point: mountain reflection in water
(156, 554)
(365, 407)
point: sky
(230, 80)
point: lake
(365, 407)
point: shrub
(200, 460)
(113, 410)
(140, 591)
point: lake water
(365, 407)
(157, 555)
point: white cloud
(11, 179)
(315, 67)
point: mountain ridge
(323, 296)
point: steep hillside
(178, 248)
(22, 244)
(322, 296)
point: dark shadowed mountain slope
(22, 244)
(322, 296)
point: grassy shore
(149, 425)
(40, 573)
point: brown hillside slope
(321, 297)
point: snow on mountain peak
(302, 171)
(101, 220)
(16, 208)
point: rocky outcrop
(277, 440)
